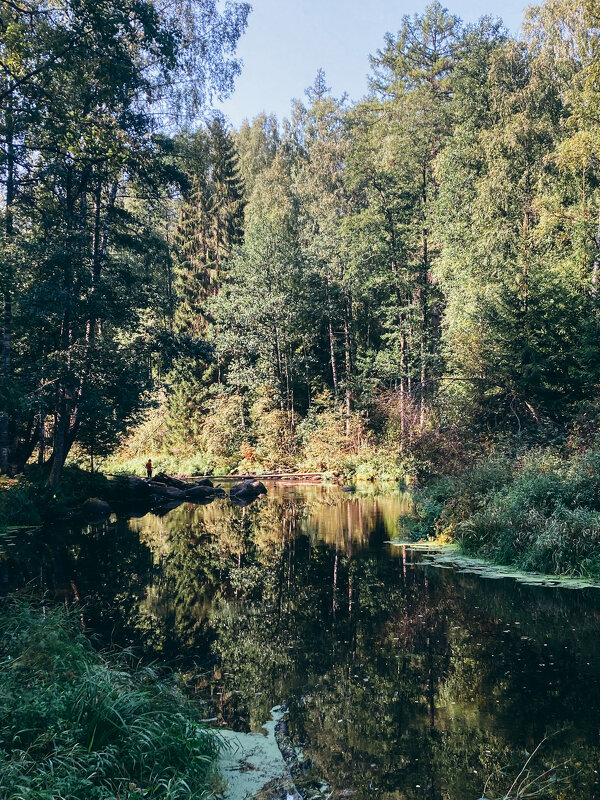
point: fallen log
(267, 476)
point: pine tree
(211, 222)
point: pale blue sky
(288, 40)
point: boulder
(94, 508)
(121, 488)
(247, 490)
(169, 480)
(166, 491)
(137, 485)
(204, 482)
(199, 493)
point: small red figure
(149, 467)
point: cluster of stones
(164, 492)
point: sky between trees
(287, 41)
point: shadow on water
(403, 681)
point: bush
(29, 500)
(78, 724)
(325, 442)
(449, 500)
(540, 512)
(19, 502)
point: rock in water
(248, 488)
(166, 491)
(200, 493)
(169, 480)
(244, 493)
(204, 482)
(93, 508)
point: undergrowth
(540, 512)
(83, 725)
(29, 499)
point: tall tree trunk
(423, 300)
(7, 300)
(42, 433)
(332, 359)
(27, 443)
(100, 237)
(402, 390)
(63, 414)
(527, 215)
(331, 343)
(306, 377)
(596, 265)
(279, 370)
(348, 361)
(5, 417)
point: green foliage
(86, 270)
(81, 724)
(20, 502)
(540, 512)
(28, 500)
(426, 259)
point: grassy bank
(367, 464)
(78, 724)
(29, 500)
(539, 511)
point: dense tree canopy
(377, 277)
(85, 89)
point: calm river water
(403, 680)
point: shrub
(19, 502)
(29, 500)
(326, 442)
(540, 512)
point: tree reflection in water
(404, 681)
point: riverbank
(28, 501)
(78, 723)
(539, 512)
(273, 603)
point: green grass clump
(539, 513)
(19, 502)
(82, 725)
(451, 499)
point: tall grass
(77, 724)
(540, 512)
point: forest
(395, 288)
(384, 288)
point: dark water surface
(403, 680)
